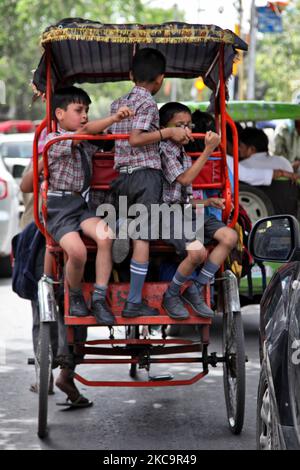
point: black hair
(229, 135)
(204, 122)
(168, 111)
(253, 137)
(147, 65)
(65, 96)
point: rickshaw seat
(104, 173)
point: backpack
(26, 247)
(239, 260)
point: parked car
(16, 150)
(8, 127)
(9, 217)
(277, 239)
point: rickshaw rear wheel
(45, 363)
(234, 370)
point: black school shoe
(194, 298)
(132, 310)
(102, 312)
(78, 307)
(175, 307)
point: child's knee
(77, 255)
(230, 238)
(103, 232)
(104, 244)
(196, 254)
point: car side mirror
(274, 238)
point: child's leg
(75, 249)
(138, 270)
(196, 254)
(96, 229)
(227, 239)
(173, 301)
(134, 306)
(48, 263)
(72, 244)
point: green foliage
(278, 60)
(22, 23)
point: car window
(16, 149)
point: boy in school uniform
(179, 173)
(138, 161)
(70, 166)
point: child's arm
(99, 125)
(139, 138)
(286, 174)
(212, 140)
(26, 185)
(217, 202)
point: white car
(9, 217)
(16, 151)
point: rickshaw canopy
(87, 51)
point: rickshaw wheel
(133, 332)
(45, 362)
(234, 370)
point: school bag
(26, 247)
(239, 260)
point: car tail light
(3, 189)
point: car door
(294, 353)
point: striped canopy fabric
(86, 51)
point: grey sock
(207, 273)
(175, 285)
(99, 292)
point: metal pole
(252, 53)
(174, 87)
(241, 72)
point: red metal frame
(148, 383)
(162, 346)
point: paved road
(172, 418)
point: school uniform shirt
(65, 163)
(146, 118)
(252, 176)
(263, 160)
(174, 162)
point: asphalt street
(191, 417)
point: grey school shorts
(211, 225)
(65, 214)
(140, 187)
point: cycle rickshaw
(80, 51)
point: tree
(22, 23)
(278, 59)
